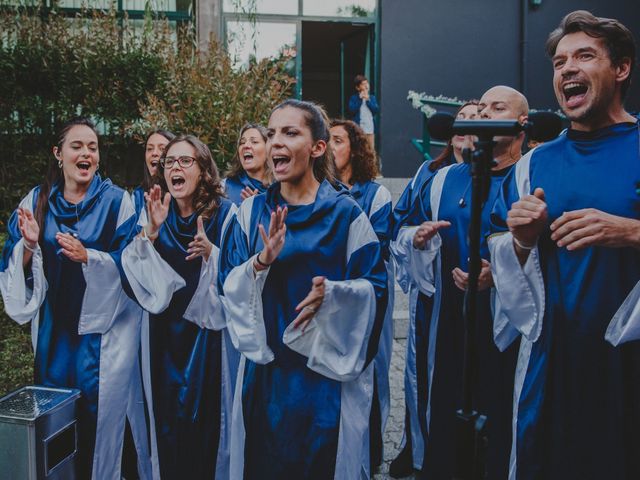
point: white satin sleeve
(519, 298)
(336, 339)
(104, 297)
(22, 303)
(625, 325)
(416, 264)
(242, 302)
(151, 278)
(205, 308)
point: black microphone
(443, 126)
(545, 126)
(542, 127)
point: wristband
(262, 264)
(150, 236)
(522, 246)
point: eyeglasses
(184, 161)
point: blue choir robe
(186, 374)
(137, 197)
(85, 329)
(420, 304)
(234, 185)
(577, 398)
(303, 399)
(375, 200)
(430, 269)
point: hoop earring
(59, 163)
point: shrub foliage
(130, 77)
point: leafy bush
(16, 355)
(130, 77)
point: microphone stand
(471, 435)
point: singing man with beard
(564, 263)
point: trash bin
(38, 433)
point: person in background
(154, 146)
(420, 304)
(363, 106)
(249, 173)
(357, 168)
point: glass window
(339, 8)
(156, 6)
(104, 4)
(267, 39)
(287, 7)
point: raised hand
(274, 241)
(485, 280)
(157, 208)
(527, 218)
(201, 246)
(72, 248)
(426, 232)
(29, 228)
(590, 227)
(308, 307)
(248, 192)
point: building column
(208, 22)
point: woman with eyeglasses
(172, 268)
(305, 290)
(249, 173)
(136, 433)
(59, 270)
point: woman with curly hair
(172, 269)
(357, 168)
(249, 173)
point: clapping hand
(201, 246)
(157, 209)
(274, 241)
(248, 192)
(29, 228)
(72, 248)
(485, 280)
(308, 307)
(528, 218)
(426, 232)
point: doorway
(333, 53)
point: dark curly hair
(235, 166)
(209, 191)
(364, 165)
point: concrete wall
(459, 48)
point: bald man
(435, 253)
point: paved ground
(395, 423)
